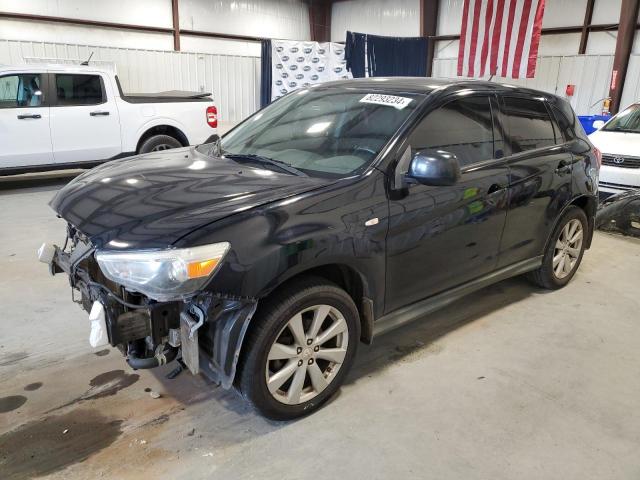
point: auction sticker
(389, 100)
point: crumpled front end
(620, 213)
(203, 331)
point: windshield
(626, 121)
(323, 133)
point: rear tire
(564, 251)
(299, 349)
(157, 143)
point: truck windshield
(323, 133)
(626, 121)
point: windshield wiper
(259, 158)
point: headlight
(163, 274)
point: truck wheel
(299, 350)
(157, 143)
(564, 251)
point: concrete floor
(511, 383)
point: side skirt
(419, 309)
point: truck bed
(170, 96)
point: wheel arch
(163, 129)
(346, 277)
(589, 204)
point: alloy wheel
(307, 354)
(568, 248)
(161, 147)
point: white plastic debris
(98, 336)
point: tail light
(212, 117)
(598, 155)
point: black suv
(335, 213)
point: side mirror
(434, 167)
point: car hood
(152, 200)
(616, 143)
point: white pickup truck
(64, 116)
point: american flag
(500, 37)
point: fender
(326, 226)
(130, 140)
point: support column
(428, 27)
(176, 24)
(320, 20)
(588, 16)
(624, 44)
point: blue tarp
(386, 56)
(587, 121)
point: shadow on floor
(37, 181)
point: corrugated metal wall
(400, 18)
(233, 80)
(631, 92)
(589, 73)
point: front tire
(299, 350)
(564, 251)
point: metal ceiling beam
(624, 44)
(88, 23)
(602, 27)
(127, 26)
(224, 36)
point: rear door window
(528, 124)
(463, 127)
(22, 90)
(78, 89)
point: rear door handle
(99, 114)
(563, 167)
(29, 115)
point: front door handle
(99, 114)
(29, 115)
(495, 188)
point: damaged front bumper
(205, 330)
